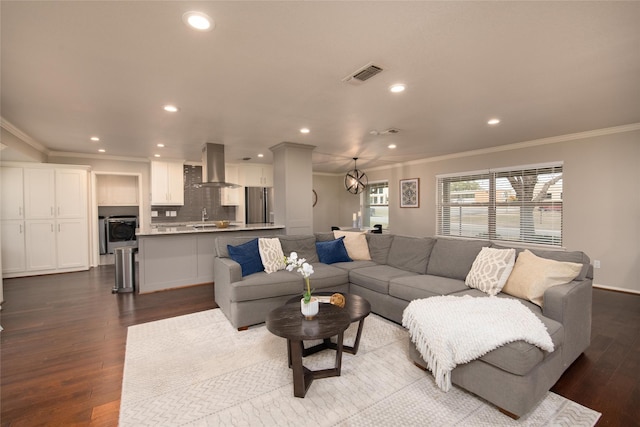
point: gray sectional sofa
(514, 377)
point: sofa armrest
(226, 271)
(571, 304)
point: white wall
(335, 204)
(601, 186)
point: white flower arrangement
(304, 268)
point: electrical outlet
(154, 214)
(596, 263)
(167, 213)
(174, 213)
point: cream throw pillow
(271, 254)
(532, 275)
(490, 270)
(356, 244)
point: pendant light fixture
(356, 180)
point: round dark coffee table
(356, 306)
(288, 322)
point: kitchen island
(177, 255)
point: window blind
(521, 204)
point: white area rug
(198, 370)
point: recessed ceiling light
(160, 145)
(102, 150)
(156, 155)
(392, 146)
(95, 138)
(198, 21)
(493, 122)
(260, 155)
(304, 130)
(170, 108)
(397, 88)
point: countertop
(200, 227)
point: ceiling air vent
(362, 74)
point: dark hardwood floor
(64, 337)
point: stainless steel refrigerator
(259, 205)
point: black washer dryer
(121, 231)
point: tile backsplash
(195, 199)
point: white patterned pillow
(491, 269)
(271, 254)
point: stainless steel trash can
(125, 269)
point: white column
(292, 187)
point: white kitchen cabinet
(231, 196)
(256, 175)
(167, 183)
(69, 234)
(40, 244)
(39, 193)
(117, 190)
(71, 193)
(53, 237)
(12, 193)
(13, 246)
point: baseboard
(616, 289)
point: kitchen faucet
(204, 214)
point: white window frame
(498, 200)
(366, 220)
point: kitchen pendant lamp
(356, 180)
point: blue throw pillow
(248, 256)
(332, 251)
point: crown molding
(526, 144)
(9, 127)
(53, 154)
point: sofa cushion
(304, 245)
(328, 277)
(271, 254)
(377, 277)
(491, 269)
(324, 236)
(424, 286)
(410, 253)
(282, 283)
(379, 245)
(227, 239)
(248, 256)
(532, 275)
(519, 357)
(262, 285)
(453, 258)
(352, 265)
(356, 244)
(332, 251)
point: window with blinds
(522, 204)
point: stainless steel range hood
(213, 167)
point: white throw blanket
(449, 330)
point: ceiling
(75, 69)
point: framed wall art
(410, 193)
